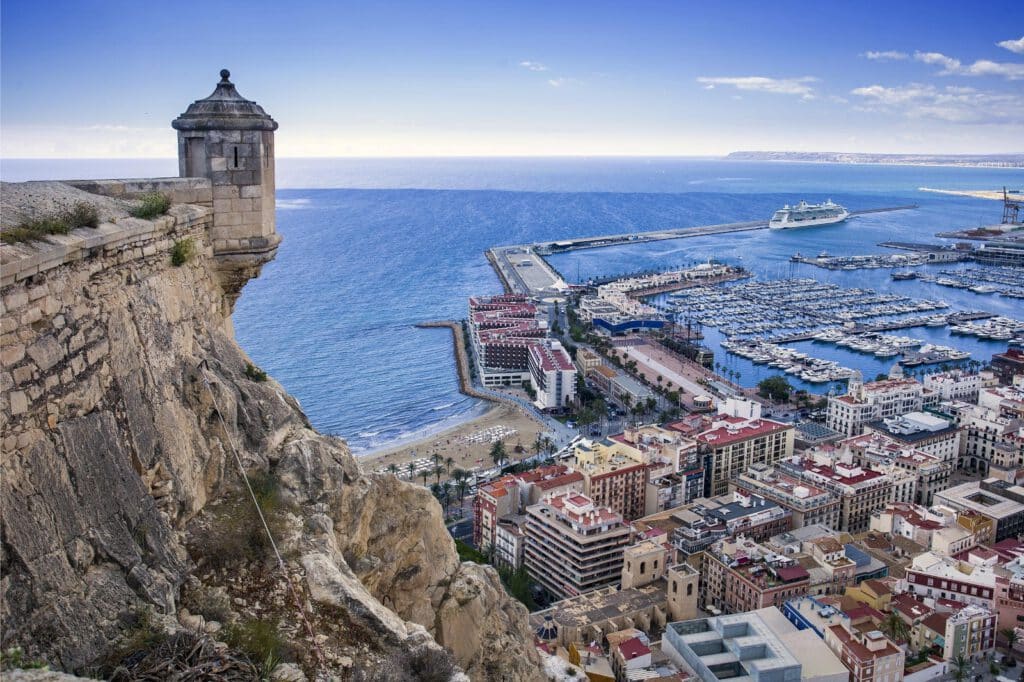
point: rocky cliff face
(126, 403)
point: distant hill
(987, 160)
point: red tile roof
(633, 648)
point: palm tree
(538, 444)
(498, 452)
(461, 487)
(436, 459)
(438, 470)
(446, 490)
(961, 667)
(393, 468)
(1010, 635)
(448, 463)
(425, 474)
(895, 627)
(412, 470)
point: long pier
(561, 246)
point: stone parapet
(127, 239)
(180, 190)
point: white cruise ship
(808, 215)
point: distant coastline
(955, 160)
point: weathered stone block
(223, 205)
(19, 402)
(11, 354)
(225, 192)
(46, 352)
(252, 192)
(33, 314)
(23, 374)
(15, 299)
(218, 164)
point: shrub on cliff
(254, 373)
(261, 642)
(80, 215)
(182, 252)
(151, 206)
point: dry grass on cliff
(231, 532)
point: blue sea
(371, 247)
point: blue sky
(104, 79)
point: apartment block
(735, 443)
(808, 503)
(871, 402)
(572, 545)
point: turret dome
(225, 109)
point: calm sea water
(374, 246)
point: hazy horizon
(460, 79)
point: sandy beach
(469, 444)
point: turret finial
(224, 75)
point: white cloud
(952, 104)
(982, 67)
(885, 56)
(1016, 46)
(533, 66)
(563, 80)
(783, 86)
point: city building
(675, 467)
(614, 475)
(760, 646)
(553, 375)
(997, 500)
(572, 545)
(969, 631)
(867, 653)
(954, 385)
(741, 575)
(930, 473)
(861, 490)
(1009, 364)
(508, 496)
(502, 330)
(808, 503)
(922, 431)
(943, 530)
(871, 402)
(933, 576)
(993, 438)
(648, 599)
(735, 443)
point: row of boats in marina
(810, 369)
(1005, 281)
(996, 328)
(794, 305)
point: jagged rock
(136, 411)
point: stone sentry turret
(230, 140)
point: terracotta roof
(633, 648)
(936, 622)
(879, 588)
(857, 649)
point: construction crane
(1011, 208)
